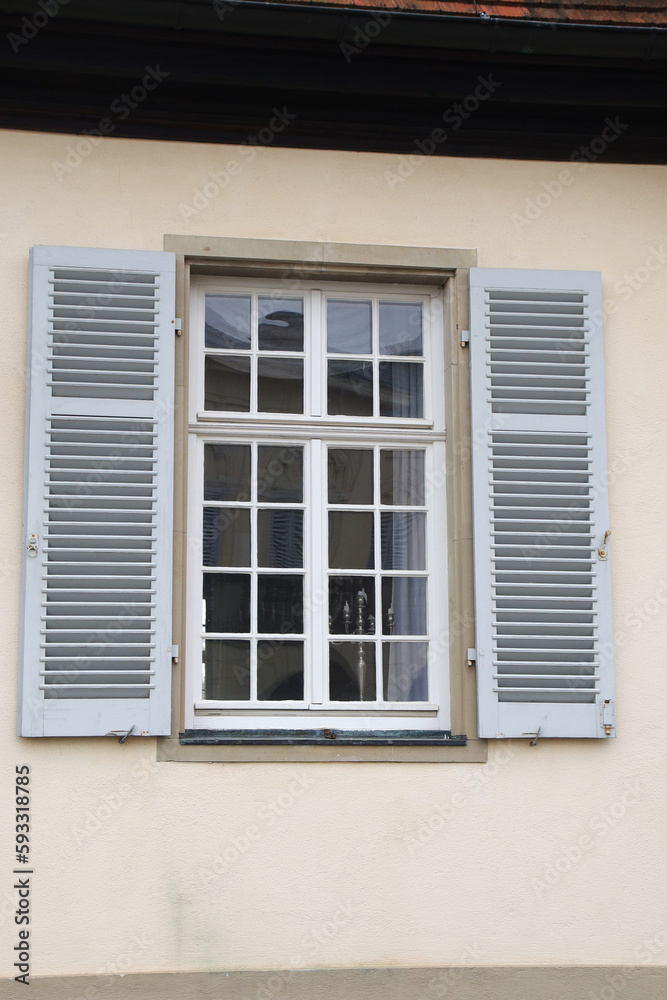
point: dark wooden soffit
(344, 79)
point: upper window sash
(249, 360)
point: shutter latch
(602, 551)
(33, 545)
(121, 733)
(608, 716)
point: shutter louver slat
(96, 615)
(542, 596)
(77, 553)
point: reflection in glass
(227, 383)
(280, 385)
(401, 389)
(349, 327)
(280, 324)
(350, 388)
(226, 670)
(403, 538)
(226, 536)
(226, 602)
(279, 474)
(351, 539)
(404, 605)
(351, 671)
(405, 671)
(227, 322)
(279, 604)
(401, 328)
(402, 478)
(351, 605)
(279, 670)
(280, 538)
(351, 475)
(227, 472)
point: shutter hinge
(178, 327)
(471, 658)
(465, 338)
(608, 714)
(32, 545)
(174, 653)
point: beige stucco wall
(348, 871)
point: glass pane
(280, 324)
(226, 536)
(227, 322)
(280, 538)
(350, 388)
(279, 604)
(402, 478)
(350, 475)
(279, 474)
(227, 472)
(351, 539)
(352, 671)
(401, 389)
(404, 605)
(226, 602)
(280, 385)
(401, 328)
(351, 605)
(227, 383)
(226, 670)
(405, 671)
(403, 540)
(349, 327)
(280, 671)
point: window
(326, 582)
(317, 426)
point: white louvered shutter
(96, 599)
(542, 592)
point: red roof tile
(633, 13)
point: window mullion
(317, 600)
(314, 344)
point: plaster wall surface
(143, 866)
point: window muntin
(253, 573)
(377, 576)
(365, 522)
(254, 353)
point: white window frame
(231, 427)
